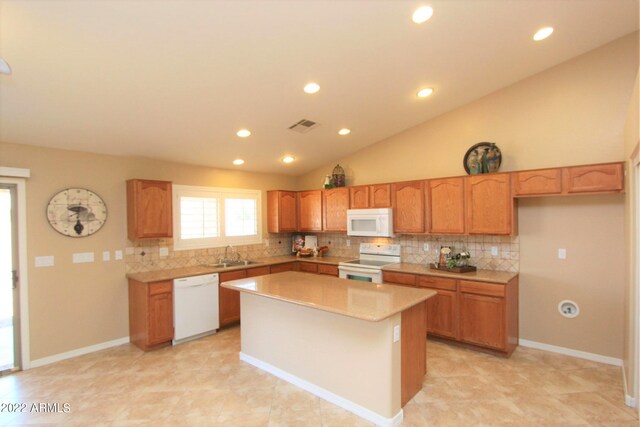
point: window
(206, 217)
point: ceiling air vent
(304, 126)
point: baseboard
(570, 352)
(78, 352)
(322, 393)
(628, 399)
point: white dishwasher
(195, 307)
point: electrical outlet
(425, 247)
(494, 251)
(106, 256)
(562, 253)
(266, 242)
(163, 252)
(348, 242)
(396, 333)
(118, 255)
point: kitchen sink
(233, 264)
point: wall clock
(76, 212)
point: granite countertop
(197, 270)
(502, 277)
(360, 300)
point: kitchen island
(359, 345)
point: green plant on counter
(459, 259)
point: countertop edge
(491, 276)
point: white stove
(373, 256)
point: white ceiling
(176, 79)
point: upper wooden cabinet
(281, 211)
(537, 183)
(310, 210)
(407, 199)
(445, 205)
(489, 205)
(149, 209)
(359, 197)
(335, 203)
(380, 196)
(594, 178)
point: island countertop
(361, 300)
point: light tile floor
(202, 383)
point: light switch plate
(425, 247)
(81, 257)
(494, 251)
(45, 261)
(396, 333)
(106, 256)
(562, 253)
(118, 255)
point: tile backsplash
(145, 255)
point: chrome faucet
(226, 257)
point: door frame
(23, 282)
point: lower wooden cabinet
(477, 313)
(330, 270)
(150, 313)
(229, 300)
(308, 267)
(289, 266)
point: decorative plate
(76, 212)
(484, 157)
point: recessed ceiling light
(288, 159)
(543, 33)
(4, 67)
(344, 131)
(422, 14)
(243, 133)
(423, 93)
(238, 162)
(312, 88)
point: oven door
(362, 274)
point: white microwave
(370, 222)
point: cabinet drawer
(308, 267)
(160, 287)
(233, 275)
(400, 278)
(279, 268)
(480, 288)
(437, 283)
(259, 271)
(331, 270)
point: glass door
(9, 319)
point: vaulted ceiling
(177, 79)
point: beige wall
(573, 113)
(631, 139)
(77, 305)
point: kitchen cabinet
(150, 314)
(310, 210)
(489, 205)
(308, 267)
(258, 271)
(229, 300)
(594, 178)
(489, 314)
(380, 196)
(445, 205)
(407, 199)
(289, 266)
(330, 270)
(281, 211)
(335, 203)
(442, 309)
(399, 278)
(149, 209)
(359, 197)
(537, 182)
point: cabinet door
(446, 205)
(408, 207)
(380, 196)
(279, 268)
(281, 211)
(335, 205)
(537, 183)
(330, 270)
(229, 300)
(489, 204)
(594, 178)
(359, 197)
(482, 320)
(310, 210)
(149, 209)
(442, 314)
(258, 271)
(308, 267)
(160, 318)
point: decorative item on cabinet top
(338, 176)
(483, 157)
(76, 212)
